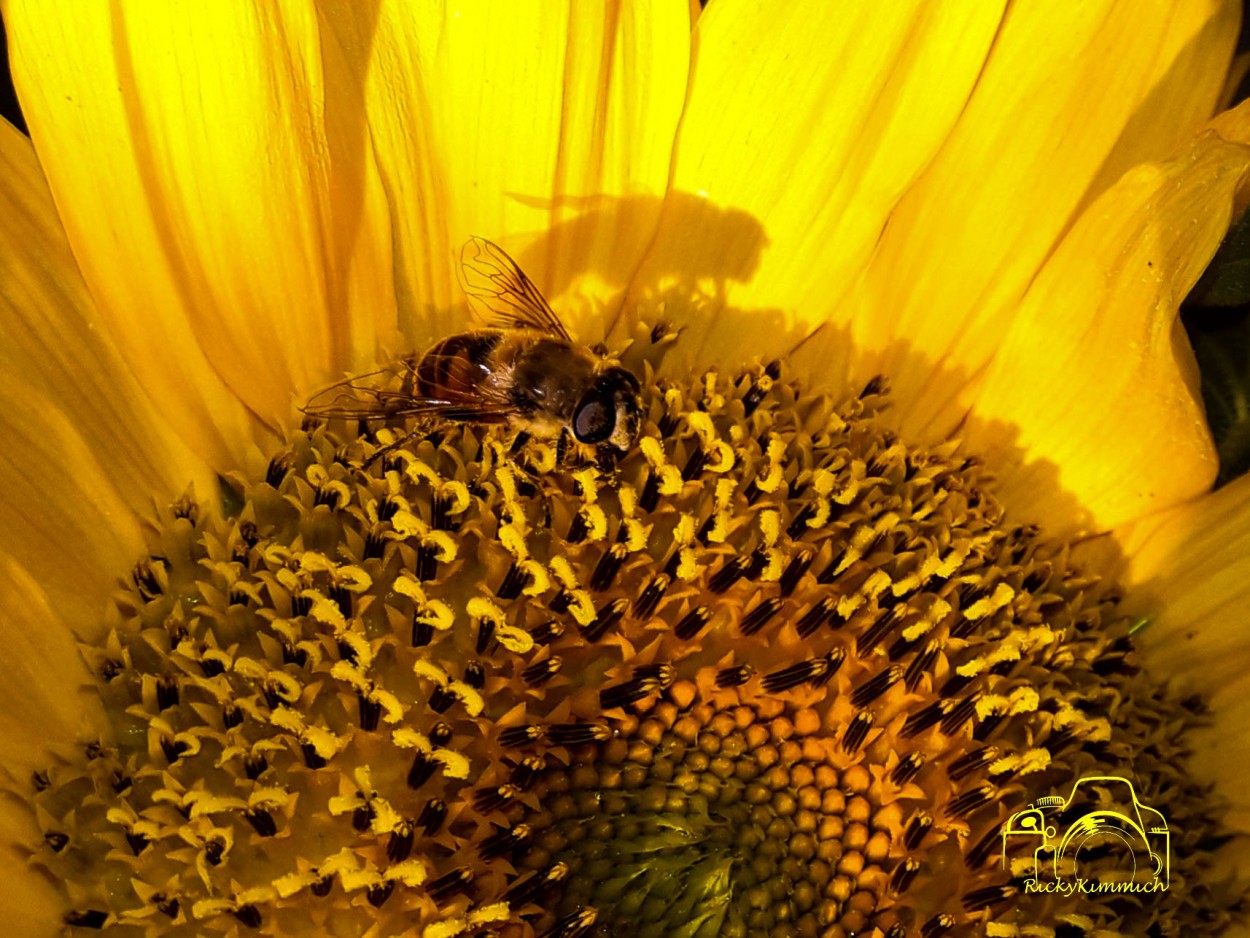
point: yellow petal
(1090, 408)
(52, 339)
(47, 695)
(1189, 571)
(1072, 95)
(33, 905)
(86, 449)
(43, 679)
(805, 124)
(64, 519)
(216, 195)
(1189, 575)
(1221, 750)
(544, 126)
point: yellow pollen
(668, 475)
(773, 672)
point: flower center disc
(774, 674)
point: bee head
(610, 412)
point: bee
(523, 370)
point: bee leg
(409, 384)
(523, 461)
(390, 448)
(562, 447)
(605, 458)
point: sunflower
(917, 537)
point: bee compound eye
(595, 419)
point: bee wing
(382, 393)
(391, 392)
(500, 292)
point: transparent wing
(499, 292)
(391, 393)
(382, 393)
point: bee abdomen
(455, 368)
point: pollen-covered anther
(712, 454)
(663, 478)
(606, 617)
(647, 680)
(649, 599)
